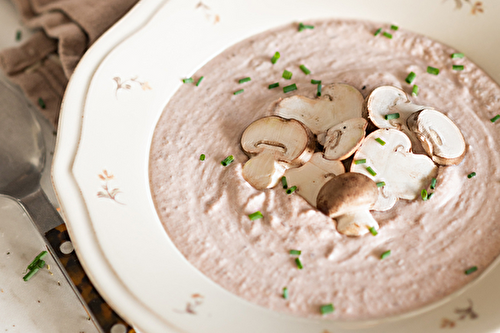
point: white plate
(120, 240)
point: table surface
(46, 303)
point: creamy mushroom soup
(205, 206)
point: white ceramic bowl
(100, 170)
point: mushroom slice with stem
(342, 140)
(343, 102)
(311, 177)
(274, 144)
(390, 162)
(439, 136)
(348, 199)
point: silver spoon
(22, 160)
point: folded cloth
(66, 28)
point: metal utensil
(22, 160)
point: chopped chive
(414, 91)
(380, 184)
(424, 194)
(18, 35)
(228, 160)
(457, 55)
(285, 293)
(188, 80)
(295, 252)
(37, 258)
(318, 90)
(316, 81)
(432, 70)
(302, 26)
(202, 157)
(391, 116)
(287, 75)
(360, 161)
(305, 69)
(471, 270)
(30, 274)
(40, 264)
(199, 81)
(238, 92)
(470, 175)
(379, 30)
(244, 80)
(386, 34)
(326, 309)
(291, 190)
(495, 118)
(275, 57)
(410, 78)
(284, 183)
(373, 231)
(385, 254)
(379, 140)
(458, 67)
(289, 88)
(394, 27)
(433, 183)
(274, 85)
(41, 103)
(371, 171)
(299, 263)
(255, 216)
(430, 196)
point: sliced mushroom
(342, 102)
(311, 177)
(405, 174)
(342, 140)
(440, 137)
(435, 132)
(348, 199)
(274, 144)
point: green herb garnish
(295, 252)
(360, 161)
(457, 55)
(305, 69)
(244, 80)
(291, 190)
(35, 261)
(287, 75)
(289, 88)
(391, 116)
(228, 160)
(318, 90)
(432, 70)
(379, 140)
(471, 270)
(373, 231)
(302, 26)
(430, 196)
(255, 216)
(18, 35)
(414, 91)
(424, 194)
(385, 254)
(299, 263)
(433, 183)
(380, 184)
(316, 81)
(199, 81)
(239, 92)
(326, 309)
(386, 34)
(274, 85)
(202, 157)
(30, 274)
(470, 175)
(41, 103)
(285, 293)
(275, 57)
(394, 27)
(410, 78)
(458, 67)
(371, 171)
(379, 30)
(495, 118)
(188, 80)
(284, 183)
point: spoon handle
(41, 211)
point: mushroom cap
(311, 177)
(340, 102)
(439, 136)
(289, 139)
(346, 193)
(342, 140)
(263, 171)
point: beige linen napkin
(66, 28)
